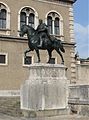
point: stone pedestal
(45, 89)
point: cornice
(22, 39)
(57, 1)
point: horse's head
(23, 30)
(26, 29)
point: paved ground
(11, 107)
(63, 117)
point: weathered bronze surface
(40, 39)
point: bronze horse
(33, 41)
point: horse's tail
(61, 47)
(59, 44)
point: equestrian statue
(41, 39)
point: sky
(81, 27)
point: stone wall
(10, 106)
(79, 99)
(82, 70)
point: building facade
(57, 14)
(82, 68)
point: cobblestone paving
(63, 117)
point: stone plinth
(45, 89)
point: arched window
(2, 18)
(27, 16)
(56, 26)
(53, 22)
(31, 19)
(49, 23)
(22, 18)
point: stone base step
(45, 113)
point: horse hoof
(62, 63)
(38, 62)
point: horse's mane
(30, 27)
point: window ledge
(56, 35)
(3, 64)
(61, 37)
(3, 29)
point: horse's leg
(60, 55)
(50, 55)
(26, 52)
(38, 55)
